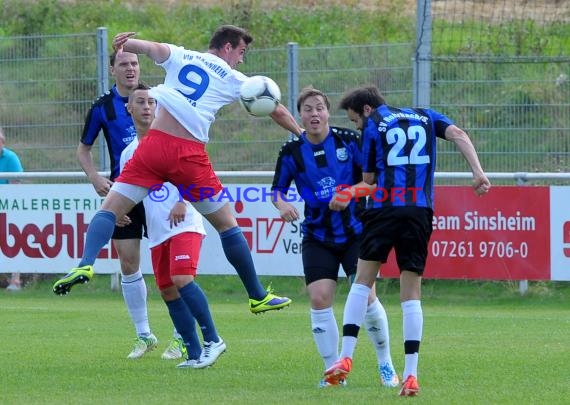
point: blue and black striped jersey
(109, 114)
(399, 146)
(317, 171)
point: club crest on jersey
(342, 154)
(327, 182)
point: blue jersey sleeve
(283, 175)
(93, 125)
(440, 122)
(369, 141)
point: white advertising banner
(43, 227)
(42, 230)
(275, 244)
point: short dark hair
(113, 57)
(310, 91)
(231, 34)
(357, 98)
(141, 86)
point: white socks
(325, 333)
(413, 321)
(135, 293)
(354, 313)
(376, 324)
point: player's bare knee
(180, 281)
(169, 293)
(129, 263)
(321, 302)
(117, 203)
(129, 255)
(222, 220)
(321, 293)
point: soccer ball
(259, 95)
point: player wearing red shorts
(196, 86)
(175, 251)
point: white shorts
(137, 193)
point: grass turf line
(483, 344)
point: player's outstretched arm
(481, 183)
(283, 117)
(158, 52)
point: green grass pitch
(483, 344)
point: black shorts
(136, 229)
(322, 260)
(406, 229)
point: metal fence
(503, 75)
(47, 84)
(515, 106)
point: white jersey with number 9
(196, 86)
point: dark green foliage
(192, 25)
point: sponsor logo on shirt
(132, 134)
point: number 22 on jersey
(398, 138)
